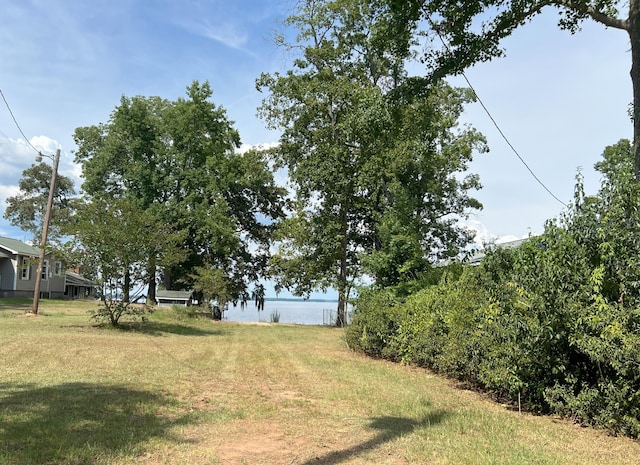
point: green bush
(554, 323)
(373, 323)
(115, 312)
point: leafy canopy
(370, 155)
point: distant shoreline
(293, 299)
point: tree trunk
(166, 279)
(634, 37)
(341, 318)
(126, 288)
(151, 283)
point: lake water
(305, 312)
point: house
(477, 257)
(18, 268)
(167, 298)
(77, 286)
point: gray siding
(7, 274)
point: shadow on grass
(389, 428)
(158, 328)
(80, 423)
(15, 303)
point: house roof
(478, 256)
(75, 279)
(17, 247)
(173, 295)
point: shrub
(373, 323)
(555, 322)
(113, 311)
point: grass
(189, 390)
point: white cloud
(15, 155)
(263, 146)
(483, 236)
(45, 144)
(227, 33)
(7, 191)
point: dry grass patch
(182, 391)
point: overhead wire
(39, 152)
(486, 110)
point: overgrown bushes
(554, 323)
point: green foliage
(554, 323)
(372, 323)
(376, 163)
(115, 311)
(177, 162)
(213, 284)
(112, 241)
(27, 209)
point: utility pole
(45, 230)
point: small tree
(213, 283)
(115, 239)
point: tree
(364, 147)
(213, 284)
(177, 161)
(473, 31)
(123, 159)
(27, 209)
(115, 239)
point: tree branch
(594, 14)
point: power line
(433, 26)
(16, 123)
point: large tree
(370, 155)
(177, 160)
(472, 32)
(27, 209)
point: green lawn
(194, 391)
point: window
(25, 269)
(45, 270)
(58, 269)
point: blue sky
(559, 98)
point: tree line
(375, 157)
(376, 167)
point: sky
(560, 99)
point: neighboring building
(18, 267)
(77, 286)
(479, 255)
(167, 298)
(475, 257)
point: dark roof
(173, 295)
(75, 279)
(18, 247)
